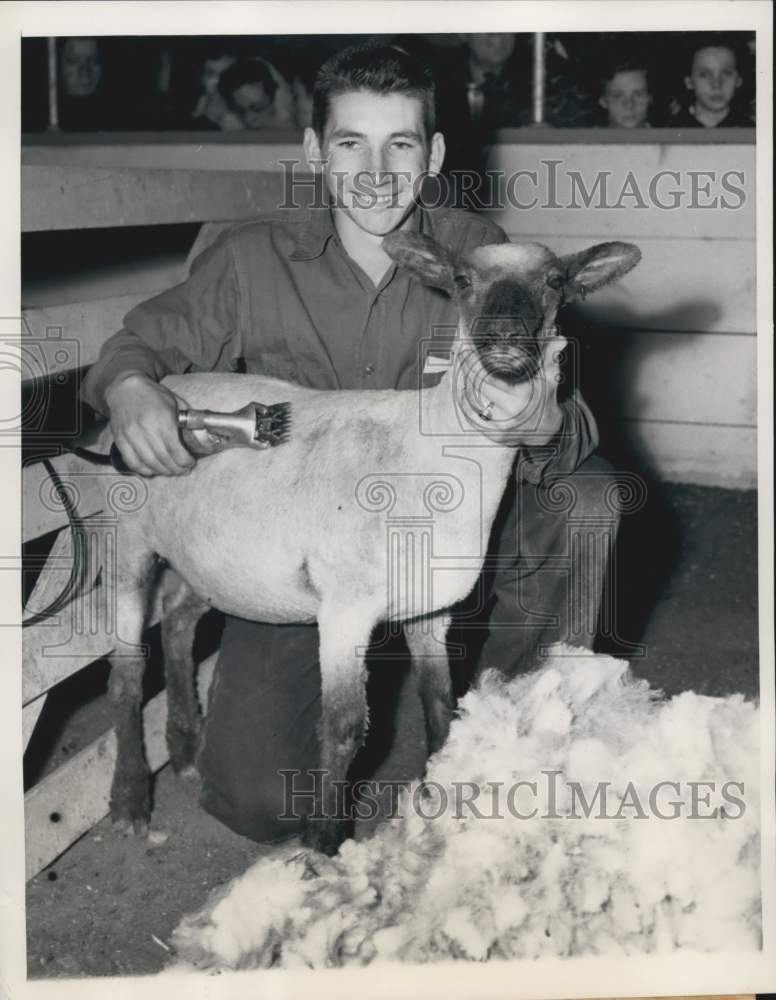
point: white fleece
(459, 886)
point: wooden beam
(42, 511)
(69, 801)
(70, 336)
(670, 290)
(621, 191)
(75, 197)
(84, 631)
(63, 644)
(30, 716)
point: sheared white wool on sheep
(459, 886)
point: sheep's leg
(344, 636)
(182, 609)
(130, 799)
(430, 662)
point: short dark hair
(375, 67)
(629, 65)
(713, 40)
(246, 71)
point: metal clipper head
(273, 423)
(255, 425)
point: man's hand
(144, 421)
(529, 409)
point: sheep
(295, 533)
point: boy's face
(253, 105)
(714, 78)
(375, 151)
(626, 98)
(81, 67)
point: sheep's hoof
(130, 806)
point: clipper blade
(273, 424)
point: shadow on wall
(649, 538)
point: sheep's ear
(591, 269)
(435, 265)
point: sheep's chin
(511, 362)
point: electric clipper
(206, 432)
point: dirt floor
(687, 595)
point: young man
(312, 296)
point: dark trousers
(542, 584)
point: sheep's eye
(462, 281)
(555, 281)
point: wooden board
(70, 800)
(693, 285)
(63, 644)
(692, 453)
(233, 151)
(690, 377)
(84, 631)
(30, 716)
(69, 336)
(42, 511)
(55, 198)
(636, 216)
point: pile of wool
(557, 884)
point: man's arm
(576, 441)
(192, 326)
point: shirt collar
(314, 234)
(319, 228)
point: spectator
(211, 108)
(256, 96)
(495, 87)
(82, 100)
(484, 84)
(626, 96)
(713, 83)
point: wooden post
(538, 78)
(53, 86)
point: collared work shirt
(281, 297)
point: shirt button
(370, 369)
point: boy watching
(713, 82)
(626, 96)
(311, 295)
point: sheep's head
(508, 295)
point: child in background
(256, 96)
(626, 96)
(211, 108)
(713, 82)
